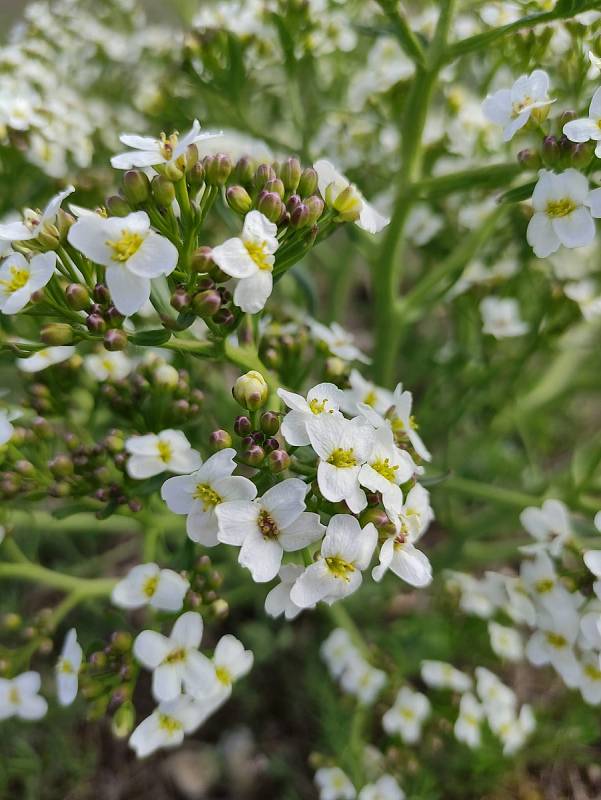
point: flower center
(175, 656)
(224, 676)
(169, 724)
(384, 468)
(126, 246)
(150, 586)
(258, 253)
(592, 672)
(18, 279)
(561, 208)
(545, 585)
(520, 105)
(165, 451)
(207, 496)
(342, 459)
(407, 713)
(339, 567)
(65, 666)
(267, 525)
(556, 640)
(317, 406)
(370, 398)
(168, 144)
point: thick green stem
(486, 491)
(35, 573)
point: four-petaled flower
(168, 451)
(20, 278)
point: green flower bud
(244, 171)
(316, 206)
(219, 440)
(238, 199)
(163, 190)
(242, 425)
(565, 117)
(279, 460)
(270, 204)
(124, 720)
(308, 182)
(251, 390)
(254, 456)
(117, 206)
(217, 169)
(196, 175)
(275, 185)
(95, 323)
(180, 299)
(299, 218)
(61, 466)
(582, 154)
(551, 153)
(270, 423)
(56, 333)
(136, 187)
(171, 171)
(115, 339)
(206, 303)
(264, 173)
(529, 159)
(64, 220)
(78, 297)
(191, 157)
(49, 237)
(290, 174)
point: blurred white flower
(168, 451)
(337, 651)
(441, 675)
(67, 669)
(364, 391)
(385, 788)
(362, 680)
(506, 642)
(338, 341)
(549, 525)
(407, 715)
(333, 185)
(512, 108)
(467, 726)
(46, 357)
(334, 784)
(19, 697)
(553, 643)
(108, 366)
(501, 317)
(167, 725)
(586, 294)
(148, 584)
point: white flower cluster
(346, 664)
(334, 784)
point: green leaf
(151, 338)
(518, 194)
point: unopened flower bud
(136, 187)
(49, 237)
(275, 185)
(224, 317)
(163, 190)
(121, 641)
(180, 299)
(244, 171)
(196, 174)
(293, 202)
(41, 428)
(307, 184)
(379, 518)
(264, 173)
(315, 205)
(242, 425)
(166, 375)
(251, 390)
(299, 218)
(114, 340)
(123, 720)
(254, 456)
(77, 296)
(270, 204)
(217, 169)
(270, 423)
(279, 460)
(270, 444)
(582, 154)
(56, 333)
(529, 159)
(565, 117)
(219, 440)
(101, 293)
(238, 199)
(191, 157)
(61, 466)
(201, 260)
(550, 152)
(25, 468)
(95, 323)
(117, 206)
(64, 221)
(207, 303)
(347, 202)
(566, 149)
(172, 171)
(290, 174)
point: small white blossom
(334, 784)
(20, 278)
(362, 680)
(108, 366)
(586, 128)
(338, 341)
(441, 675)
(148, 584)
(67, 669)
(385, 788)
(34, 222)
(337, 651)
(586, 294)
(150, 152)
(467, 726)
(386, 469)
(250, 259)
(590, 679)
(512, 729)
(407, 715)
(6, 427)
(512, 108)
(553, 643)
(167, 725)
(501, 317)
(332, 183)
(493, 693)
(364, 391)
(19, 697)
(268, 527)
(506, 642)
(198, 495)
(130, 250)
(549, 526)
(400, 419)
(278, 600)
(46, 357)
(168, 451)
(325, 398)
(230, 662)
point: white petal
(251, 293)
(150, 648)
(129, 292)
(285, 501)
(576, 229)
(261, 555)
(166, 682)
(233, 258)
(541, 236)
(187, 630)
(170, 591)
(236, 519)
(156, 256)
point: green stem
(486, 491)
(35, 573)
(342, 619)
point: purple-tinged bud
(180, 299)
(270, 444)
(251, 390)
(217, 169)
(201, 259)
(163, 190)
(225, 294)
(224, 317)
(565, 117)
(308, 182)
(25, 468)
(206, 283)
(242, 425)
(207, 303)
(135, 505)
(219, 440)
(582, 154)
(42, 428)
(550, 152)
(270, 204)
(56, 333)
(113, 316)
(101, 294)
(264, 173)
(254, 456)
(529, 159)
(238, 199)
(279, 460)
(379, 518)
(566, 149)
(315, 205)
(196, 175)
(244, 171)
(270, 423)
(96, 323)
(117, 206)
(258, 437)
(61, 466)
(293, 201)
(114, 340)
(136, 187)
(275, 185)
(77, 296)
(247, 442)
(299, 218)
(290, 174)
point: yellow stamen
(556, 640)
(560, 208)
(150, 586)
(223, 676)
(126, 246)
(340, 568)
(207, 496)
(175, 656)
(383, 467)
(317, 406)
(169, 724)
(18, 279)
(545, 585)
(343, 459)
(165, 452)
(258, 253)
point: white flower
(168, 451)
(595, 60)
(198, 495)
(338, 341)
(552, 643)
(278, 599)
(131, 252)
(506, 642)
(325, 398)
(540, 579)
(387, 467)
(148, 584)
(46, 357)
(250, 259)
(549, 525)
(400, 419)
(364, 391)
(501, 317)
(478, 597)
(6, 427)
(230, 662)
(267, 527)
(150, 152)
(385, 788)
(407, 715)
(586, 294)
(362, 680)
(334, 784)
(332, 183)
(590, 679)
(108, 366)
(467, 726)
(513, 107)
(174, 660)
(34, 221)
(343, 446)
(585, 128)
(345, 551)
(20, 278)
(67, 669)
(493, 693)
(441, 675)
(563, 210)
(167, 725)
(19, 697)
(512, 730)
(337, 651)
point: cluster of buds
(557, 151)
(203, 595)
(108, 679)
